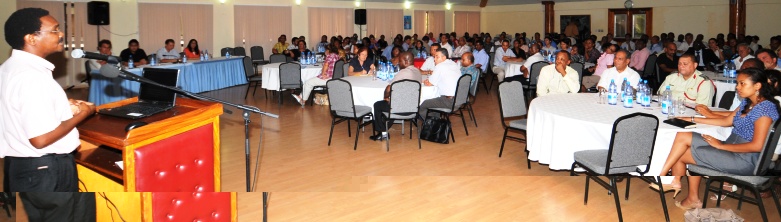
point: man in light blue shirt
(388, 50)
(481, 57)
(503, 55)
(656, 46)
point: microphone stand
(247, 110)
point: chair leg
(721, 192)
(775, 198)
(331, 134)
(615, 197)
(708, 181)
(662, 198)
(452, 136)
(759, 203)
(357, 134)
(463, 121)
(626, 197)
(349, 128)
(387, 140)
(247, 93)
(504, 138)
(255, 89)
(419, 146)
(585, 196)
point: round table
(512, 69)
(367, 91)
(562, 124)
(270, 74)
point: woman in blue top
(740, 152)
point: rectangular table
(196, 77)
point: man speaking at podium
(37, 121)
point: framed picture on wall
(578, 26)
(407, 22)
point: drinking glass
(602, 96)
(681, 106)
(657, 99)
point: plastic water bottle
(732, 70)
(623, 89)
(725, 70)
(612, 93)
(667, 100)
(628, 102)
(202, 57)
(646, 94)
(640, 91)
(227, 55)
(130, 62)
(184, 59)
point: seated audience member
(703, 57)
(628, 44)
(293, 45)
(565, 45)
(590, 53)
(331, 56)
(281, 46)
(394, 59)
(323, 44)
(769, 58)
(575, 54)
(517, 50)
(656, 46)
(192, 51)
(168, 53)
(619, 72)
(445, 78)
(428, 66)
(445, 44)
(388, 50)
(417, 49)
(302, 50)
(743, 54)
(548, 45)
(738, 154)
(139, 56)
(503, 55)
(468, 67)
(462, 48)
(640, 55)
(408, 71)
(713, 46)
(605, 62)
(668, 61)
(407, 43)
(536, 56)
(752, 63)
(104, 48)
(362, 65)
(481, 57)
(558, 78)
(689, 83)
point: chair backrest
(632, 141)
(290, 76)
(340, 96)
(87, 67)
(473, 87)
(511, 100)
(345, 68)
(649, 68)
(338, 69)
(462, 91)
(277, 58)
(535, 72)
(578, 67)
(490, 61)
(288, 59)
(766, 155)
(257, 53)
(239, 51)
(226, 49)
(405, 97)
(726, 99)
(249, 71)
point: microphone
(78, 53)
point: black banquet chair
(252, 78)
(239, 51)
(289, 77)
(277, 58)
(340, 96)
(462, 92)
(513, 105)
(404, 105)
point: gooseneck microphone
(78, 53)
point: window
(636, 22)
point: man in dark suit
(704, 58)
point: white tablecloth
(722, 84)
(367, 91)
(271, 74)
(560, 125)
(512, 69)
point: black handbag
(436, 130)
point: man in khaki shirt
(688, 83)
(558, 78)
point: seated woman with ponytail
(740, 152)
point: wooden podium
(178, 151)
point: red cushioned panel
(191, 206)
(183, 162)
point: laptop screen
(156, 95)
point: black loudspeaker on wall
(97, 13)
(360, 16)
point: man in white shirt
(104, 48)
(535, 57)
(481, 57)
(688, 42)
(769, 58)
(558, 78)
(461, 49)
(501, 56)
(629, 43)
(443, 43)
(743, 55)
(428, 66)
(168, 53)
(619, 71)
(640, 55)
(445, 78)
(322, 44)
(38, 122)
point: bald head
(406, 59)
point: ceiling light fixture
(448, 6)
(407, 4)
(357, 4)
(298, 2)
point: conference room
(302, 110)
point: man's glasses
(56, 31)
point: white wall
(8, 7)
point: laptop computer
(151, 99)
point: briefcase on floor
(436, 130)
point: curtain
(261, 26)
(436, 22)
(467, 22)
(80, 34)
(329, 22)
(158, 22)
(419, 18)
(388, 22)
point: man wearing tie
(702, 56)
